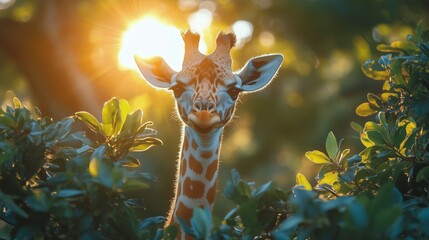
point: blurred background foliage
(63, 56)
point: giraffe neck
(197, 173)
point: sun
(149, 37)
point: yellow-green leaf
(301, 180)
(145, 144)
(405, 45)
(89, 120)
(373, 100)
(366, 154)
(365, 140)
(369, 71)
(344, 153)
(329, 178)
(113, 117)
(17, 103)
(365, 110)
(372, 126)
(317, 157)
(386, 96)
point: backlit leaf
(112, 117)
(317, 157)
(370, 72)
(17, 103)
(365, 110)
(145, 144)
(385, 97)
(329, 178)
(301, 180)
(373, 100)
(89, 120)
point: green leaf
(377, 138)
(66, 193)
(131, 124)
(170, 232)
(423, 217)
(111, 116)
(407, 46)
(143, 127)
(386, 96)
(423, 174)
(89, 120)
(318, 157)
(373, 100)
(249, 215)
(343, 154)
(11, 205)
(201, 222)
(424, 48)
(144, 144)
(301, 180)
(65, 127)
(39, 201)
(419, 31)
(356, 126)
(37, 112)
(369, 71)
(114, 114)
(365, 110)
(132, 185)
(331, 145)
(99, 168)
(17, 103)
(129, 161)
(263, 189)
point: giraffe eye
(233, 92)
(178, 90)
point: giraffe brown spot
(206, 154)
(185, 144)
(194, 144)
(211, 194)
(179, 190)
(193, 189)
(196, 166)
(183, 167)
(211, 170)
(184, 212)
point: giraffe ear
(156, 71)
(259, 71)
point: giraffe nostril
(198, 105)
(211, 106)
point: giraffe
(206, 91)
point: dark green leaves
(59, 182)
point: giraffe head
(206, 89)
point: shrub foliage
(60, 183)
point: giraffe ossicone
(206, 91)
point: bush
(380, 193)
(56, 183)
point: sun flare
(149, 37)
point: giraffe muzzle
(204, 120)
